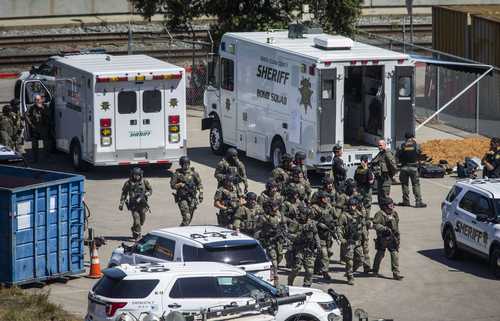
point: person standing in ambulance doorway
(407, 156)
(231, 165)
(188, 189)
(38, 118)
(135, 194)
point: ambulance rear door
(128, 117)
(152, 115)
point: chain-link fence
(196, 81)
(441, 79)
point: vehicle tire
(76, 157)
(495, 262)
(450, 244)
(216, 141)
(277, 150)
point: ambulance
(112, 110)
(303, 90)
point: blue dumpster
(41, 225)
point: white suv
(471, 220)
(197, 243)
(160, 288)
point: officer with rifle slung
(281, 174)
(299, 161)
(384, 168)
(135, 193)
(231, 165)
(246, 217)
(364, 180)
(188, 189)
(227, 199)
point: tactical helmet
(327, 180)
(296, 171)
(409, 135)
(231, 153)
(364, 158)
(337, 148)
(386, 201)
(275, 203)
(251, 196)
(300, 156)
(14, 102)
(322, 194)
(350, 186)
(305, 211)
(270, 184)
(184, 160)
(353, 201)
(6, 109)
(136, 171)
(292, 191)
(286, 158)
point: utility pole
(409, 8)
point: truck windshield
(234, 255)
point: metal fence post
(438, 80)
(477, 108)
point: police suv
(197, 243)
(190, 287)
(471, 220)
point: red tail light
(105, 122)
(174, 119)
(112, 307)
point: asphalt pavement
(434, 288)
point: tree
(179, 14)
(339, 16)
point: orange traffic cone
(95, 265)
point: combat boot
(420, 205)
(404, 204)
(367, 270)
(350, 281)
(327, 276)
(397, 276)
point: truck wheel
(76, 157)
(216, 141)
(450, 245)
(495, 262)
(277, 150)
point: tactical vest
(409, 153)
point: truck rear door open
(404, 100)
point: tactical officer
(6, 128)
(270, 193)
(38, 118)
(290, 211)
(339, 170)
(299, 161)
(231, 165)
(18, 122)
(300, 184)
(325, 216)
(271, 232)
(227, 199)
(386, 224)
(188, 189)
(384, 168)
(364, 179)
(491, 160)
(408, 154)
(327, 186)
(135, 193)
(305, 246)
(353, 223)
(246, 216)
(350, 189)
(282, 174)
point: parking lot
(434, 288)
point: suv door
(467, 229)
(145, 249)
(191, 294)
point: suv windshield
(234, 255)
(124, 289)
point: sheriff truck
(112, 110)
(277, 92)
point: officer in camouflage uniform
(350, 189)
(299, 161)
(325, 216)
(39, 120)
(227, 199)
(386, 224)
(408, 157)
(135, 193)
(272, 234)
(339, 170)
(353, 224)
(384, 168)
(491, 160)
(270, 193)
(299, 183)
(188, 189)
(246, 216)
(231, 165)
(6, 128)
(305, 246)
(364, 178)
(18, 122)
(290, 211)
(282, 174)
(327, 186)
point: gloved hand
(120, 207)
(200, 197)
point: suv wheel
(495, 262)
(450, 244)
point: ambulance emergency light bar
(139, 77)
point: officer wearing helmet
(306, 245)
(281, 174)
(231, 165)
(6, 127)
(270, 193)
(364, 180)
(353, 224)
(186, 183)
(327, 186)
(386, 224)
(290, 211)
(297, 181)
(246, 216)
(135, 193)
(18, 123)
(339, 170)
(227, 199)
(299, 161)
(350, 189)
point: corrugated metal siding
(486, 40)
(449, 31)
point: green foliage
(337, 16)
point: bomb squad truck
(303, 90)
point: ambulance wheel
(76, 157)
(216, 141)
(495, 262)
(277, 150)
(450, 244)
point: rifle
(281, 234)
(140, 200)
(188, 190)
(333, 231)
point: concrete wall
(24, 8)
(402, 3)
